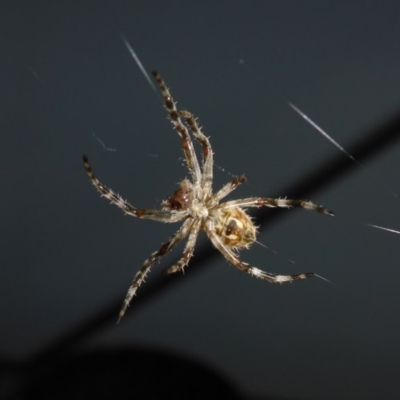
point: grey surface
(65, 253)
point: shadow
(129, 373)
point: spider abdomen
(234, 227)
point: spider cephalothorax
(226, 224)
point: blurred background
(69, 86)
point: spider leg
(208, 155)
(145, 269)
(188, 251)
(270, 202)
(127, 208)
(238, 263)
(187, 144)
(229, 187)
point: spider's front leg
(208, 155)
(187, 144)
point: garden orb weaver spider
(194, 203)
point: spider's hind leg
(238, 263)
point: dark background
(67, 257)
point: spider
(194, 203)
